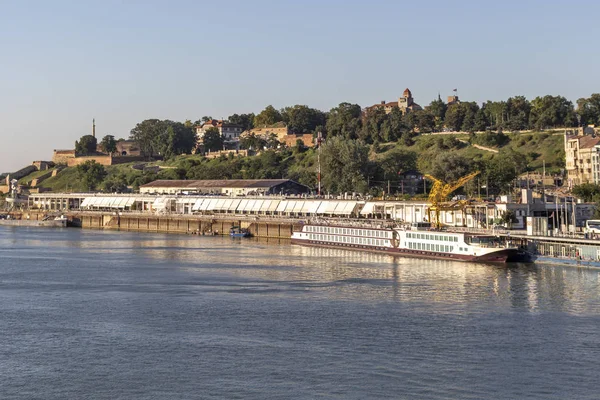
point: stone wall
(307, 139)
(43, 165)
(20, 173)
(106, 160)
(280, 132)
(62, 156)
(128, 159)
(102, 160)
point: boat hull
(499, 256)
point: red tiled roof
(587, 141)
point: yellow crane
(439, 194)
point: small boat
(236, 231)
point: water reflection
(283, 269)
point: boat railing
(354, 223)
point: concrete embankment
(267, 228)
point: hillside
(530, 149)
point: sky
(63, 63)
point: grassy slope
(26, 180)
(67, 180)
(535, 146)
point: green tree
(246, 121)
(115, 184)
(252, 142)
(345, 165)
(455, 116)
(449, 167)
(344, 120)
(91, 174)
(86, 145)
(212, 140)
(372, 126)
(502, 170)
(518, 109)
(588, 110)
(587, 191)
(267, 117)
(109, 144)
(438, 109)
(395, 162)
(551, 112)
(303, 119)
(148, 135)
(480, 122)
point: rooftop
(221, 183)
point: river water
(117, 315)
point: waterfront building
(227, 187)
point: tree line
(168, 138)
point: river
(119, 315)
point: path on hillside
(479, 147)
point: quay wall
(184, 224)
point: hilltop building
(582, 153)
(230, 132)
(405, 103)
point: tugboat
(237, 231)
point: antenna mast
(319, 140)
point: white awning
(299, 206)
(220, 204)
(257, 205)
(85, 203)
(159, 203)
(129, 202)
(233, 205)
(282, 205)
(198, 204)
(313, 206)
(274, 205)
(367, 209)
(250, 205)
(243, 206)
(210, 206)
(349, 207)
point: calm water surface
(105, 315)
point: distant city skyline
(66, 62)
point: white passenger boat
(416, 242)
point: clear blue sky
(66, 62)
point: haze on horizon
(66, 62)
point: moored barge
(416, 242)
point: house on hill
(230, 132)
(405, 103)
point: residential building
(230, 132)
(405, 104)
(582, 153)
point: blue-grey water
(116, 315)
